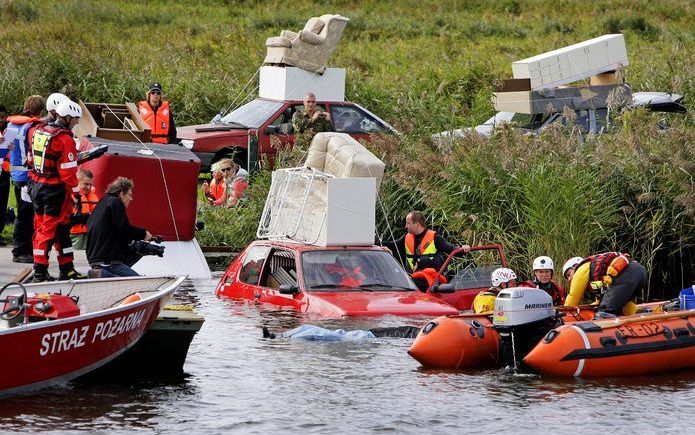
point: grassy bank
(424, 66)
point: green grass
(424, 66)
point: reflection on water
(237, 381)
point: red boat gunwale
(47, 353)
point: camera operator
(109, 234)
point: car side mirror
(444, 288)
(287, 289)
(272, 129)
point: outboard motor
(522, 317)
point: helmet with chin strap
(569, 264)
(502, 275)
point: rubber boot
(68, 272)
(41, 273)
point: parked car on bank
(589, 121)
(253, 125)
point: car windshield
(252, 114)
(353, 270)
(472, 270)
(500, 117)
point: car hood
(209, 131)
(363, 303)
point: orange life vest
(159, 120)
(430, 275)
(606, 264)
(426, 248)
(87, 204)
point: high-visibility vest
(87, 203)
(46, 160)
(157, 120)
(426, 248)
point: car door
(279, 269)
(243, 282)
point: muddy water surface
(238, 382)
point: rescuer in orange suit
(53, 156)
(156, 112)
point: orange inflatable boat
(630, 345)
(522, 318)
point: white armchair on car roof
(309, 49)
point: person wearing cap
(53, 157)
(543, 279)
(156, 112)
(19, 132)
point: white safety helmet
(572, 262)
(543, 262)
(69, 108)
(53, 101)
(502, 275)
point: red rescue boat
(54, 332)
(630, 345)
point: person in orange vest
(420, 242)
(156, 112)
(85, 201)
(215, 192)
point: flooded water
(238, 382)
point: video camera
(143, 248)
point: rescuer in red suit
(54, 158)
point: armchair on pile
(309, 49)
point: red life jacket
(598, 267)
(157, 119)
(45, 156)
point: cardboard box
(290, 83)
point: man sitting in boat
(543, 279)
(501, 278)
(569, 267)
(85, 201)
(420, 242)
(109, 232)
(613, 277)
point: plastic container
(687, 298)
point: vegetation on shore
(424, 66)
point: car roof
(303, 247)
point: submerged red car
(327, 281)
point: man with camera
(109, 233)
